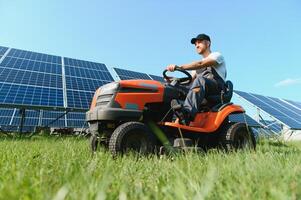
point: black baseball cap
(201, 36)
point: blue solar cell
(85, 64)
(4, 120)
(30, 78)
(6, 116)
(29, 95)
(34, 56)
(127, 74)
(277, 108)
(31, 65)
(79, 99)
(76, 119)
(6, 112)
(31, 118)
(82, 79)
(76, 115)
(83, 84)
(27, 122)
(273, 109)
(157, 78)
(87, 73)
(3, 50)
(295, 104)
(52, 114)
(287, 108)
(49, 117)
(52, 123)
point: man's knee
(199, 82)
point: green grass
(63, 168)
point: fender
(208, 122)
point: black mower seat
(214, 102)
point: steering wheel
(182, 81)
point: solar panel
(295, 104)
(18, 94)
(6, 116)
(31, 79)
(157, 78)
(242, 117)
(82, 80)
(50, 119)
(40, 81)
(28, 55)
(127, 74)
(31, 118)
(76, 119)
(2, 51)
(278, 111)
(31, 65)
(286, 107)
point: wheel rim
(137, 142)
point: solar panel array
(33, 79)
(36, 81)
(128, 74)
(280, 110)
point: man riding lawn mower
(125, 116)
(135, 115)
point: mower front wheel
(237, 136)
(132, 136)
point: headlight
(109, 87)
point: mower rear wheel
(131, 136)
(237, 136)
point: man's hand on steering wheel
(172, 67)
(182, 81)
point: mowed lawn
(63, 168)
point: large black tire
(237, 136)
(132, 136)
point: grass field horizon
(63, 168)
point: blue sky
(260, 40)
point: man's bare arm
(194, 65)
(199, 64)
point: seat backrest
(228, 92)
(219, 99)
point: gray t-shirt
(220, 68)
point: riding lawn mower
(136, 115)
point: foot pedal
(175, 105)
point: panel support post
(22, 113)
